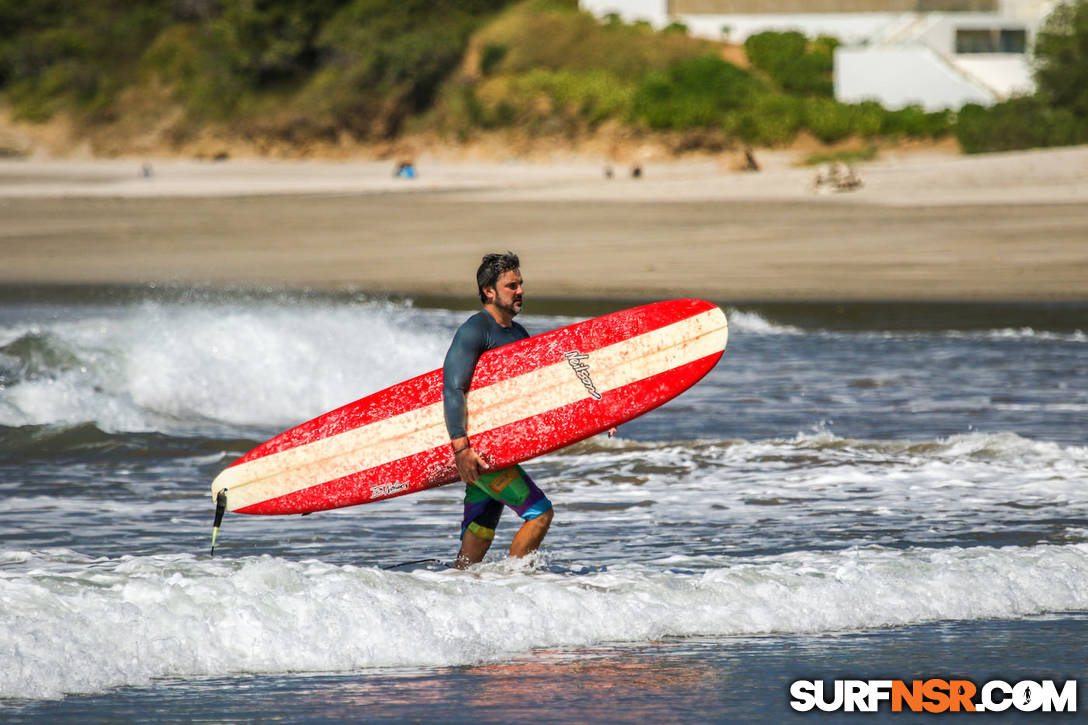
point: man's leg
(478, 526)
(473, 549)
(529, 536)
(534, 508)
(484, 502)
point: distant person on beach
(499, 282)
(750, 163)
(405, 170)
(837, 177)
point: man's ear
(489, 293)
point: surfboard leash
(220, 508)
(410, 563)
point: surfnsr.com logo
(934, 695)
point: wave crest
(181, 616)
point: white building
(935, 53)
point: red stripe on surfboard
(523, 357)
(503, 446)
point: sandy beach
(927, 226)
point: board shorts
(485, 498)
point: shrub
(385, 61)
(553, 40)
(914, 121)
(491, 56)
(788, 60)
(573, 96)
(1061, 56)
(1018, 123)
(203, 66)
(770, 51)
(771, 120)
(55, 55)
(593, 96)
(828, 120)
(696, 93)
(868, 120)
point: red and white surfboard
(526, 399)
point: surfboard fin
(220, 508)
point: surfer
(486, 492)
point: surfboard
(526, 399)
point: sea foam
(101, 624)
(752, 322)
(185, 368)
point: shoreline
(896, 178)
(842, 315)
(1002, 228)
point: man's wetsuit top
(476, 336)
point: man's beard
(509, 309)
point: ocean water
(836, 499)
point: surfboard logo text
(387, 489)
(581, 369)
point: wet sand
(1011, 227)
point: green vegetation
(696, 93)
(557, 71)
(1019, 123)
(55, 54)
(1061, 52)
(315, 69)
(550, 69)
(360, 65)
(1057, 114)
(793, 63)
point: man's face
(507, 292)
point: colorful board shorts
(485, 498)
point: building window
(1014, 41)
(992, 40)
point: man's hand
(470, 464)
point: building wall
(796, 7)
(1008, 75)
(942, 36)
(655, 11)
(848, 27)
(898, 77)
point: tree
(1061, 58)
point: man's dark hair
(491, 268)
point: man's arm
(465, 350)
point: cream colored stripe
(505, 402)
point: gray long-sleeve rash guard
(476, 336)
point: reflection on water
(590, 684)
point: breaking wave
(207, 367)
(104, 624)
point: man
(500, 285)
